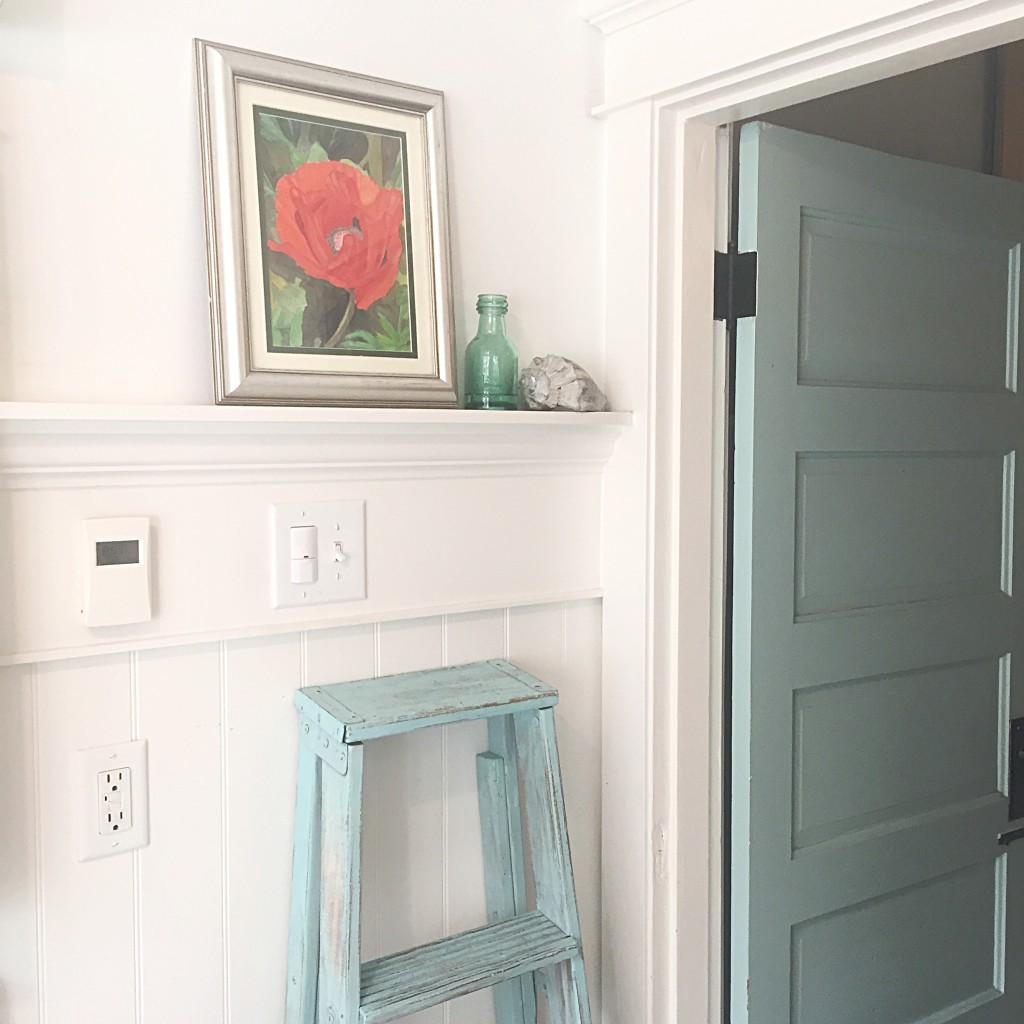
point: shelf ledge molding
(44, 444)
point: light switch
(318, 553)
(303, 552)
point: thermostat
(116, 572)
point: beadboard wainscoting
(193, 927)
(483, 540)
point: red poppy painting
(327, 234)
(336, 257)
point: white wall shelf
(64, 412)
(68, 443)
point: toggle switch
(303, 552)
(317, 552)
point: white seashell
(554, 382)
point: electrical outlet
(113, 799)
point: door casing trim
(666, 495)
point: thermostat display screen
(117, 552)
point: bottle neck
(491, 322)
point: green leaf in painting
(397, 176)
(287, 304)
(374, 157)
(270, 129)
(317, 154)
(281, 150)
(392, 338)
(359, 339)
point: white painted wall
(103, 299)
(193, 927)
(103, 291)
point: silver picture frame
(253, 363)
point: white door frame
(664, 506)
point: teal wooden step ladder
(520, 950)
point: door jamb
(685, 507)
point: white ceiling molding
(614, 15)
(704, 50)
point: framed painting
(327, 234)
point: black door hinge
(735, 285)
(1016, 769)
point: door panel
(929, 292)
(907, 510)
(877, 633)
(900, 729)
(876, 961)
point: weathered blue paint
(371, 708)
(515, 1001)
(565, 985)
(340, 830)
(518, 946)
(304, 924)
(398, 985)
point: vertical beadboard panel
(579, 744)
(407, 805)
(472, 637)
(260, 746)
(339, 656)
(88, 910)
(536, 641)
(213, 884)
(181, 942)
(19, 927)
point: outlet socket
(113, 799)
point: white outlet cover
(88, 765)
(337, 522)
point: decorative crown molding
(614, 15)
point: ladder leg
(515, 1001)
(341, 822)
(565, 987)
(565, 984)
(304, 923)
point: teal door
(878, 611)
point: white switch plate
(341, 576)
(96, 835)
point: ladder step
(370, 708)
(394, 986)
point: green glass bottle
(492, 366)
